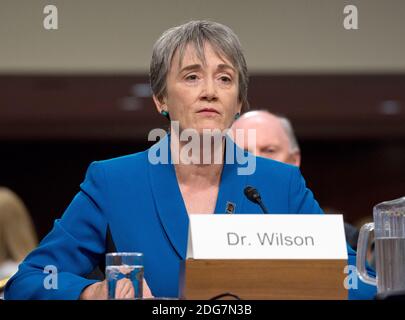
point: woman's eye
(192, 77)
(225, 79)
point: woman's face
(201, 96)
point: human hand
(95, 291)
(124, 290)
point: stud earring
(237, 116)
(165, 114)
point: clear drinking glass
(124, 274)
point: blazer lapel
(232, 184)
(169, 203)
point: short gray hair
(224, 41)
(288, 129)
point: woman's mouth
(208, 111)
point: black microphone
(253, 195)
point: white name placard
(266, 236)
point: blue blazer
(142, 205)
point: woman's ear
(159, 103)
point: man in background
(275, 139)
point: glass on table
(124, 274)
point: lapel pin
(230, 207)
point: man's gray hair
(286, 124)
(223, 40)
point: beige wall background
(279, 36)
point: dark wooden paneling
(47, 174)
(350, 177)
(52, 127)
(353, 176)
(96, 107)
(74, 107)
(335, 106)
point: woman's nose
(209, 90)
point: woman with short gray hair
(136, 204)
(223, 40)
